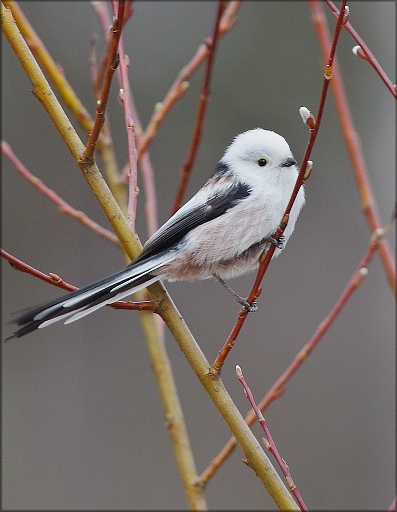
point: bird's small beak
(289, 162)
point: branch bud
(158, 107)
(307, 117)
(358, 52)
(346, 14)
(239, 372)
(308, 171)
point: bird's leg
(251, 308)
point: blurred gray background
(83, 426)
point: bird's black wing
(183, 221)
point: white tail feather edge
(80, 313)
(135, 273)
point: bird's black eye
(262, 162)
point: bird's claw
(278, 243)
(250, 308)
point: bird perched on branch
(221, 232)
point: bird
(219, 233)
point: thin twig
(277, 389)
(54, 279)
(125, 97)
(112, 63)
(269, 442)
(180, 85)
(365, 53)
(204, 97)
(63, 206)
(146, 169)
(266, 257)
(353, 146)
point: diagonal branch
(256, 457)
(180, 85)
(112, 63)
(63, 206)
(353, 145)
(278, 387)
(50, 67)
(266, 257)
(204, 97)
(365, 53)
(54, 279)
(269, 442)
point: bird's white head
(261, 148)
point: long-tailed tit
(220, 232)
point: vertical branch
(204, 97)
(125, 97)
(266, 257)
(180, 85)
(353, 145)
(365, 52)
(112, 63)
(146, 168)
(153, 331)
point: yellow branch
(256, 457)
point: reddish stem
(132, 174)
(63, 206)
(367, 54)
(353, 145)
(278, 387)
(112, 63)
(17, 264)
(179, 87)
(266, 258)
(269, 442)
(204, 97)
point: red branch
(17, 264)
(112, 63)
(204, 97)
(353, 145)
(266, 257)
(366, 53)
(125, 97)
(279, 386)
(179, 87)
(63, 206)
(269, 442)
(146, 167)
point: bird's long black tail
(83, 301)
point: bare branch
(353, 145)
(63, 206)
(269, 442)
(266, 257)
(364, 52)
(204, 97)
